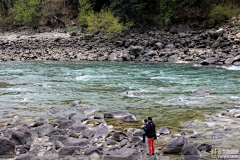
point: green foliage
(84, 11)
(26, 12)
(104, 22)
(218, 14)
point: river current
(159, 90)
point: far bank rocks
(211, 46)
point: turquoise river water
(159, 90)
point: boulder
(75, 103)
(229, 61)
(73, 134)
(99, 116)
(60, 138)
(204, 147)
(87, 110)
(93, 151)
(102, 132)
(18, 138)
(82, 143)
(136, 50)
(129, 118)
(211, 60)
(79, 117)
(22, 149)
(119, 136)
(78, 127)
(150, 54)
(116, 114)
(173, 58)
(136, 140)
(215, 45)
(88, 133)
(163, 130)
(128, 42)
(7, 147)
(57, 110)
(112, 57)
(170, 46)
(236, 63)
(30, 137)
(44, 130)
(201, 92)
(138, 132)
(65, 124)
(175, 146)
(41, 121)
(190, 153)
(68, 150)
(158, 45)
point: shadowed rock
(136, 50)
(204, 147)
(68, 150)
(41, 121)
(190, 153)
(98, 116)
(7, 147)
(118, 136)
(175, 146)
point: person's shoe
(152, 153)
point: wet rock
(41, 121)
(68, 150)
(98, 116)
(204, 147)
(129, 118)
(116, 114)
(87, 110)
(201, 92)
(191, 153)
(119, 136)
(79, 117)
(7, 147)
(175, 146)
(75, 103)
(163, 130)
(83, 143)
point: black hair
(145, 120)
(149, 118)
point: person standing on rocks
(150, 133)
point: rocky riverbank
(181, 44)
(87, 132)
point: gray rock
(128, 42)
(112, 57)
(18, 138)
(229, 61)
(158, 45)
(99, 116)
(150, 54)
(60, 138)
(170, 46)
(30, 137)
(9, 114)
(41, 121)
(190, 153)
(88, 133)
(129, 118)
(119, 136)
(68, 150)
(65, 124)
(79, 117)
(182, 35)
(204, 147)
(8, 133)
(102, 132)
(73, 134)
(93, 151)
(22, 149)
(136, 140)
(44, 130)
(136, 50)
(7, 147)
(173, 58)
(215, 45)
(87, 110)
(138, 132)
(78, 127)
(83, 143)
(26, 157)
(236, 63)
(123, 143)
(211, 60)
(201, 92)
(75, 103)
(58, 144)
(163, 130)
(116, 114)
(57, 110)
(175, 146)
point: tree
(26, 12)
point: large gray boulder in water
(7, 147)
(116, 114)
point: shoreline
(219, 46)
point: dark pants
(144, 135)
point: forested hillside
(114, 16)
